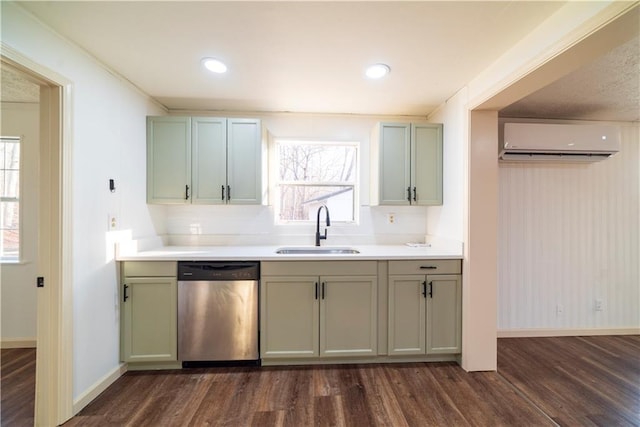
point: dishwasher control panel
(218, 270)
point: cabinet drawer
(150, 269)
(319, 268)
(447, 266)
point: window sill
(14, 262)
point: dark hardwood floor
(567, 381)
(583, 381)
(17, 386)
(416, 394)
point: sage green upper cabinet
(426, 164)
(168, 159)
(244, 161)
(406, 164)
(204, 160)
(209, 159)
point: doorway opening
(53, 304)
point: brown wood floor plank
(382, 402)
(577, 380)
(328, 411)
(585, 381)
(17, 386)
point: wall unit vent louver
(558, 142)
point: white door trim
(54, 360)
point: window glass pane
(9, 189)
(10, 244)
(301, 202)
(10, 184)
(317, 162)
(9, 215)
(12, 155)
(9, 227)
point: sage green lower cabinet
(318, 316)
(348, 316)
(444, 314)
(425, 310)
(148, 303)
(290, 317)
(407, 325)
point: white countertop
(268, 253)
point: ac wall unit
(558, 142)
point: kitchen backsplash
(255, 225)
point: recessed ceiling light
(214, 65)
(377, 71)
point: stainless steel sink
(311, 250)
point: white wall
(569, 235)
(446, 220)
(186, 224)
(18, 280)
(108, 142)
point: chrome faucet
(318, 236)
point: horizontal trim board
(98, 387)
(352, 360)
(18, 343)
(526, 333)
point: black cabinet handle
(415, 195)
(223, 192)
(430, 289)
(424, 289)
(228, 192)
(323, 289)
(186, 192)
(316, 290)
(409, 194)
(428, 267)
(125, 297)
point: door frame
(54, 355)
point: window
(10, 199)
(312, 174)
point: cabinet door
(348, 316)
(244, 156)
(289, 317)
(395, 150)
(150, 320)
(426, 171)
(444, 314)
(168, 159)
(406, 315)
(209, 159)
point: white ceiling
(310, 56)
(16, 87)
(606, 89)
(297, 56)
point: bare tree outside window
(10, 199)
(311, 174)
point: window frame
(274, 172)
(18, 258)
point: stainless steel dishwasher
(218, 311)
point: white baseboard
(522, 333)
(98, 387)
(18, 343)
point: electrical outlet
(559, 309)
(112, 222)
(391, 218)
(598, 305)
